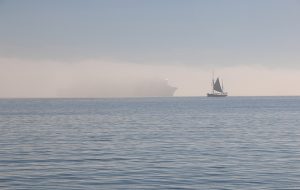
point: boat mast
(213, 82)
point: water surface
(150, 143)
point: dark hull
(216, 95)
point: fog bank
(108, 78)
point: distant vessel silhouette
(137, 88)
(217, 89)
(155, 88)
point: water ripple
(150, 143)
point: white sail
(217, 86)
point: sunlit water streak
(150, 143)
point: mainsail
(217, 86)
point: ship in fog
(155, 88)
(152, 87)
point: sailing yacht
(217, 89)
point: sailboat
(217, 89)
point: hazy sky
(48, 45)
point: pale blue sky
(216, 32)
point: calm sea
(150, 143)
